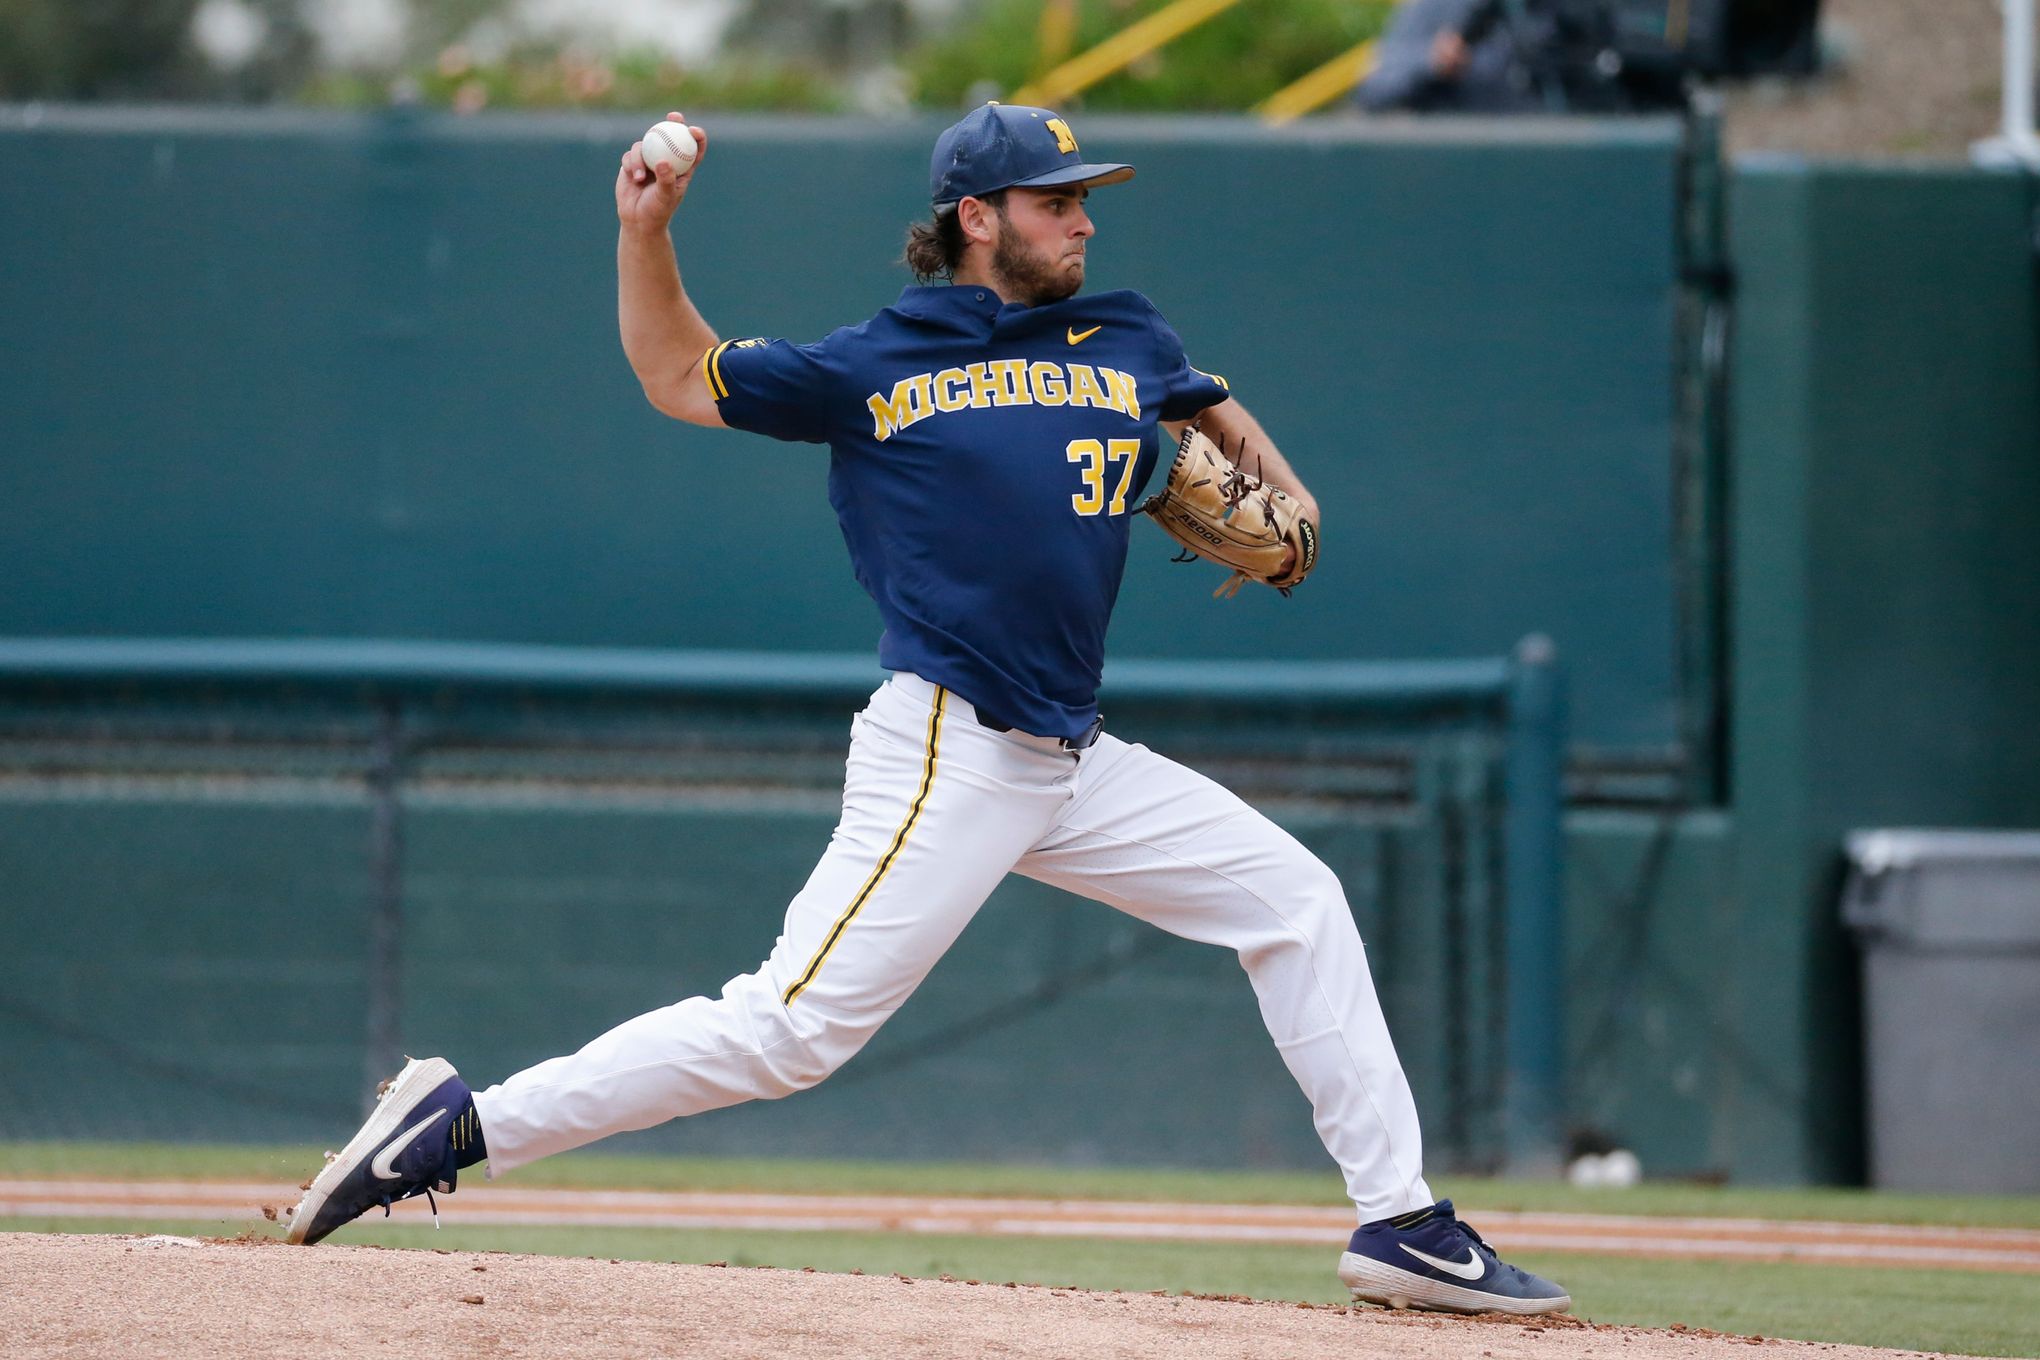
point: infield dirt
(174, 1296)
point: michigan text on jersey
(1002, 382)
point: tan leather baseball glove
(1220, 511)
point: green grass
(1965, 1312)
(599, 1171)
(1970, 1313)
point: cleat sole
(1372, 1281)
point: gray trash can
(1949, 924)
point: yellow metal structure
(1120, 50)
(1058, 23)
(1055, 35)
(1320, 87)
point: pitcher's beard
(1026, 279)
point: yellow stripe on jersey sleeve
(711, 369)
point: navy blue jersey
(985, 460)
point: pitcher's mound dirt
(164, 1296)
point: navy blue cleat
(1429, 1259)
(423, 1130)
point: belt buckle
(1088, 738)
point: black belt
(1083, 741)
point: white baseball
(670, 143)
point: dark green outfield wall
(327, 376)
(335, 377)
(299, 380)
(1886, 584)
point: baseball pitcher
(990, 438)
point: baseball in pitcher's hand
(646, 196)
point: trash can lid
(1966, 890)
(1879, 850)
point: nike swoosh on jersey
(380, 1167)
(1472, 1268)
(1077, 337)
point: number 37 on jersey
(1099, 462)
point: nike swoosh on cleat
(1077, 337)
(1472, 1268)
(380, 1167)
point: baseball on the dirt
(670, 143)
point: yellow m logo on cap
(1065, 140)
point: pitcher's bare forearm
(1233, 428)
(664, 336)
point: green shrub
(637, 80)
(1229, 63)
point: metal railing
(1119, 51)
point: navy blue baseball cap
(1007, 146)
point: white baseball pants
(936, 810)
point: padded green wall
(316, 376)
(1886, 642)
(320, 375)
